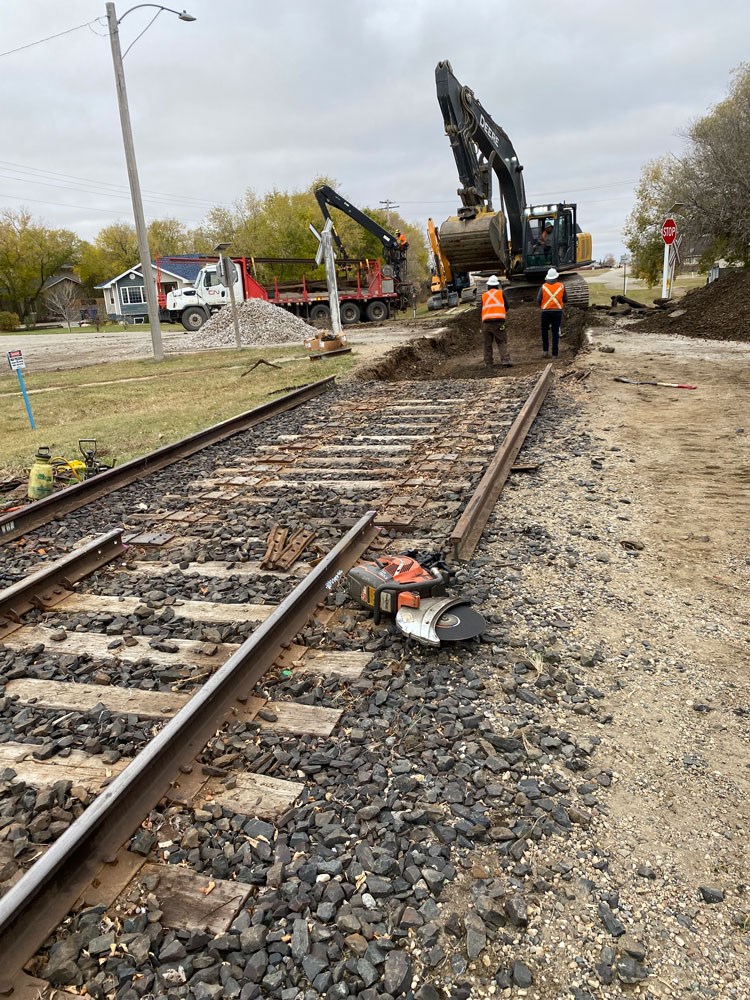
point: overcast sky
(260, 94)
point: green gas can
(41, 479)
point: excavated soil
(716, 312)
(458, 352)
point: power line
(58, 204)
(107, 194)
(49, 38)
(104, 184)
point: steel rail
(29, 593)
(470, 525)
(35, 905)
(41, 512)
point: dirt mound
(457, 352)
(718, 311)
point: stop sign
(669, 231)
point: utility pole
(149, 283)
(389, 205)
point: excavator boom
(513, 238)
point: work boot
(545, 354)
(507, 364)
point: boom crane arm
(326, 196)
(478, 145)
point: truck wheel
(319, 311)
(377, 311)
(193, 319)
(350, 313)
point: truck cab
(194, 304)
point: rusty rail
(43, 511)
(470, 525)
(35, 905)
(32, 591)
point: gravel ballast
(261, 325)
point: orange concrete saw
(402, 588)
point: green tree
(710, 182)
(30, 253)
(714, 180)
(653, 197)
(278, 225)
(115, 248)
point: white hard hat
(551, 275)
(494, 281)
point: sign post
(625, 260)
(227, 275)
(668, 234)
(17, 364)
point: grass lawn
(600, 293)
(133, 407)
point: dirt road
(54, 352)
(660, 628)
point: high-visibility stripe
(493, 304)
(552, 295)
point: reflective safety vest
(552, 295)
(493, 304)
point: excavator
(446, 288)
(517, 240)
(394, 255)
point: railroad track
(175, 627)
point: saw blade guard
(440, 619)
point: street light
(135, 187)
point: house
(63, 296)
(125, 296)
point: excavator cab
(551, 238)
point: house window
(132, 295)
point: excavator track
(526, 291)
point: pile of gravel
(261, 324)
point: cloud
(260, 95)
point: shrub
(9, 321)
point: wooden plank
(84, 697)
(80, 768)
(189, 652)
(216, 570)
(258, 795)
(346, 665)
(300, 720)
(190, 901)
(196, 611)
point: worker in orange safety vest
(403, 243)
(494, 311)
(552, 297)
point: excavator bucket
(477, 244)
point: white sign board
(15, 360)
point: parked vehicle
(367, 291)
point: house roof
(55, 279)
(186, 269)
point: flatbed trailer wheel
(320, 311)
(350, 313)
(377, 311)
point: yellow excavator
(447, 290)
(519, 241)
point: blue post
(25, 398)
